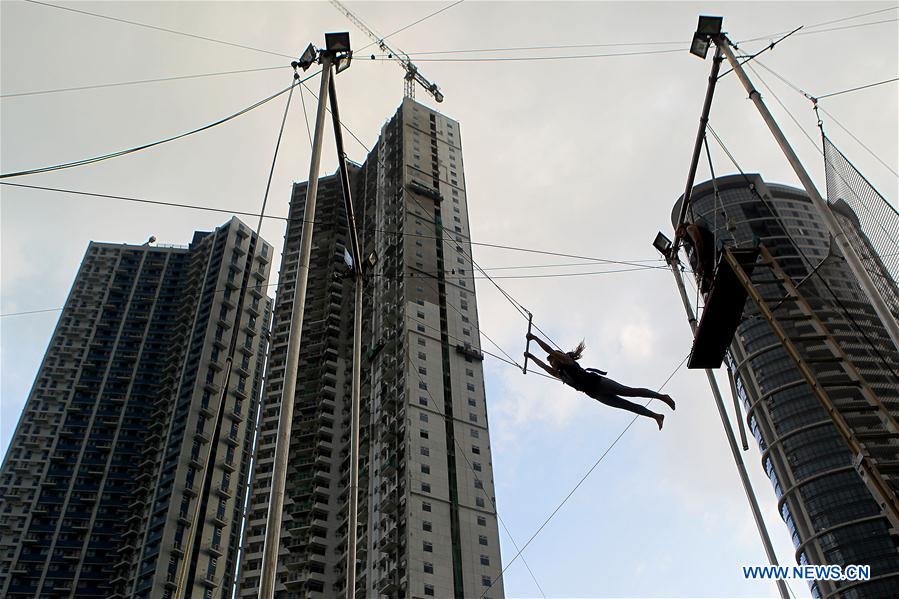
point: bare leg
(623, 404)
(610, 387)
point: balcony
(389, 503)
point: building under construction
(803, 288)
(427, 517)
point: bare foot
(667, 399)
(659, 418)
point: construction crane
(413, 75)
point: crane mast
(412, 76)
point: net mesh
(870, 223)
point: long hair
(578, 351)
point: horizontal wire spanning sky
(577, 142)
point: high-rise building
(127, 472)
(830, 512)
(427, 517)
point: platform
(723, 310)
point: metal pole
(354, 447)
(285, 419)
(733, 392)
(353, 508)
(700, 136)
(858, 269)
(729, 433)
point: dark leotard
(605, 390)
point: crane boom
(413, 75)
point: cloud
(637, 340)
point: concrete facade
(427, 520)
(127, 472)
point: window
(422, 417)
(479, 501)
(469, 372)
(425, 469)
(427, 546)
(422, 355)
(422, 400)
(485, 580)
(476, 466)
(426, 526)
(475, 449)
(478, 484)
(420, 314)
(475, 433)
(472, 417)
(425, 506)
(425, 450)
(422, 370)
(423, 434)
(422, 385)
(472, 402)
(482, 540)
(429, 569)
(420, 328)
(421, 341)
(482, 521)
(485, 560)
(469, 386)
(429, 588)
(425, 487)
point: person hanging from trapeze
(564, 366)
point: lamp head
(338, 46)
(309, 56)
(662, 244)
(337, 42)
(708, 28)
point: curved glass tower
(829, 511)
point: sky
(581, 156)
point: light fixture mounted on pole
(337, 53)
(708, 29)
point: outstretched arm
(540, 363)
(543, 345)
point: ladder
(852, 413)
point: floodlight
(308, 57)
(343, 61)
(337, 42)
(707, 28)
(662, 243)
(700, 45)
(709, 25)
